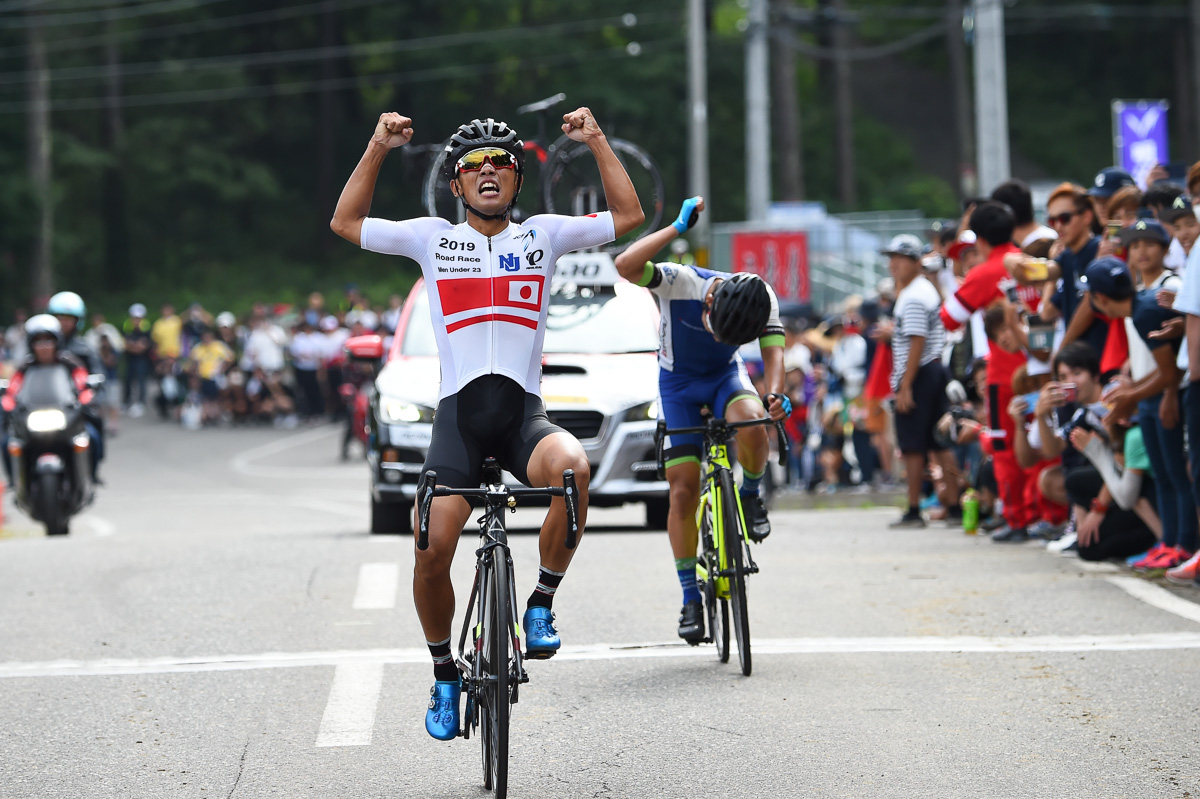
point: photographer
(1072, 400)
(1155, 398)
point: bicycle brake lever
(784, 460)
(424, 502)
(571, 498)
(660, 435)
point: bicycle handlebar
(427, 489)
(542, 105)
(661, 433)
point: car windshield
(600, 320)
(582, 319)
(46, 386)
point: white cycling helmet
(43, 324)
(67, 303)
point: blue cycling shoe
(441, 719)
(541, 639)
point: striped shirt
(917, 313)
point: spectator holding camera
(1154, 396)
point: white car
(599, 382)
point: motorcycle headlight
(641, 413)
(394, 410)
(46, 421)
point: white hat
(329, 323)
(226, 319)
(137, 310)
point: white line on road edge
(349, 716)
(377, 584)
(1160, 598)
(780, 646)
(101, 528)
(243, 463)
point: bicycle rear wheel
(571, 185)
(436, 194)
(734, 540)
(494, 693)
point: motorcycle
(51, 449)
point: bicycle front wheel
(571, 185)
(733, 541)
(494, 693)
(716, 607)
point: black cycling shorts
(492, 416)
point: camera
(1083, 419)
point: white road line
(101, 528)
(665, 649)
(1160, 598)
(349, 718)
(377, 584)
(243, 463)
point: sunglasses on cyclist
(1061, 219)
(499, 159)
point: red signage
(780, 258)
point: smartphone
(1037, 269)
(1070, 391)
(1031, 400)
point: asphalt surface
(220, 625)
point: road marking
(966, 644)
(349, 718)
(1159, 597)
(101, 528)
(243, 463)
(377, 584)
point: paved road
(221, 626)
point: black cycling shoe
(691, 622)
(756, 517)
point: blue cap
(1149, 229)
(1108, 277)
(1178, 209)
(1109, 180)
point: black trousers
(1122, 533)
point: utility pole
(956, 52)
(844, 111)
(42, 273)
(991, 94)
(758, 116)
(786, 107)
(117, 266)
(698, 129)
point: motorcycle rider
(45, 338)
(68, 308)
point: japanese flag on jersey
(469, 301)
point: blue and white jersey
(685, 345)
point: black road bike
(492, 666)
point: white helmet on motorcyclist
(43, 324)
(67, 303)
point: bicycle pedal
(539, 654)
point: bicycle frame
(711, 499)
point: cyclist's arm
(354, 204)
(619, 193)
(634, 263)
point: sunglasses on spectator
(1061, 219)
(499, 159)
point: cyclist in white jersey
(488, 280)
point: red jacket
(980, 289)
(79, 376)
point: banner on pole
(1139, 136)
(780, 258)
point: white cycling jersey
(488, 295)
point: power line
(303, 87)
(275, 58)
(197, 26)
(86, 17)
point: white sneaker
(136, 410)
(1061, 545)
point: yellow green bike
(725, 557)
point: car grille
(581, 424)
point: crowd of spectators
(278, 365)
(1052, 370)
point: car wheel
(656, 513)
(391, 517)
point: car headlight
(394, 410)
(641, 413)
(46, 421)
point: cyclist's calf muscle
(433, 591)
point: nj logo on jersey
(514, 300)
(510, 262)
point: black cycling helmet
(741, 306)
(485, 133)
